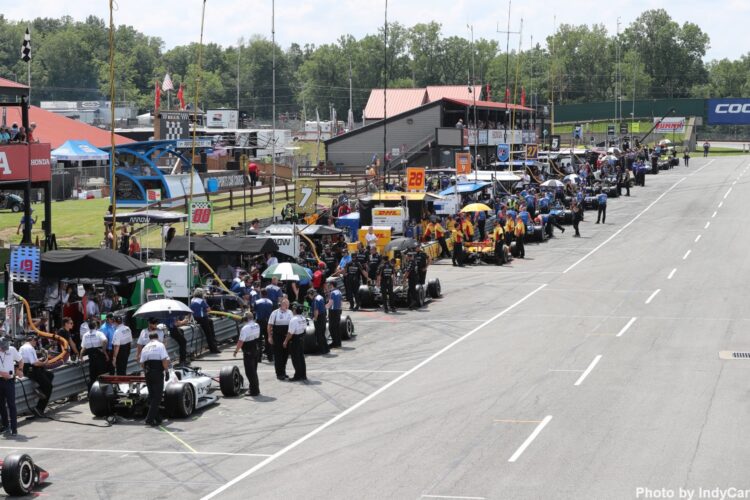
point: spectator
(31, 221)
(135, 248)
(124, 240)
(4, 135)
(20, 136)
(13, 132)
(30, 133)
(252, 170)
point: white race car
(186, 389)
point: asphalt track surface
(588, 370)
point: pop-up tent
(92, 266)
(79, 151)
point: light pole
(273, 111)
(472, 89)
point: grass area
(308, 148)
(78, 223)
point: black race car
(369, 295)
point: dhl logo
(388, 212)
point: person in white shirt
(36, 370)
(371, 238)
(92, 308)
(271, 260)
(9, 356)
(278, 327)
(121, 343)
(225, 272)
(249, 342)
(94, 343)
(296, 345)
(155, 361)
(153, 326)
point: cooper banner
(305, 196)
(729, 111)
(201, 216)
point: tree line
(653, 57)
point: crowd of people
(17, 135)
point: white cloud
(324, 21)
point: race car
(310, 341)
(369, 295)
(186, 389)
(484, 251)
(20, 475)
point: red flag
(507, 95)
(181, 97)
(488, 93)
(157, 96)
(523, 96)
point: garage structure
(428, 135)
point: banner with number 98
(201, 216)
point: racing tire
(16, 208)
(433, 288)
(421, 295)
(230, 381)
(364, 297)
(534, 234)
(514, 249)
(179, 400)
(19, 475)
(346, 327)
(506, 254)
(101, 400)
(310, 342)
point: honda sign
(729, 111)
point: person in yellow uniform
(520, 235)
(429, 231)
(510, 229)
(458, 248)
(498, 236)
(450, 223)
(467, 228)
(440, 237)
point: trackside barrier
(70, 379)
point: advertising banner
(14, 163)
(201, 216)
(734, 111)
(671, 124)
(305, 196)
(389, 217)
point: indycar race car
(369, 295)
(311, 343)
(186, 389)
(20, 475)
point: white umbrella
(614, 150)
(285, 271)
(163, 309)
(574, 178)
(553, 183)
(665, 142)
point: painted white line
(707, 224)
(727, 193)
(137, 452)
(651, 297)
(592, 252)
(588, 370)
(714, 215)
(531, 438)
(735, 182)
(704, 166)
(686, 254)
(451, 496)
(721, 204)
(627, 325)
(368, 398)
(698, 238)
(672, 273)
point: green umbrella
(286, 271)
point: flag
(157, 96)
(167, 83)
(488, 93)
(507, 95)
(317, 122)
(181, 97)
(523, 96)
(26, 47)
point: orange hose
(63, 343)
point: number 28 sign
(201, 216)
(415, 179)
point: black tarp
(222, 245)
(91, 266)
(148, 217)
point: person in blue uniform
(335, 301)
(318, 306)
(200, 309)
(263, 310)
(601, 213)
(273, 291)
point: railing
(415, 149)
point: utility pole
(385, 92)
(507, 32)
(239, 50)
(273, 111)
(617, 71)
(472, 89)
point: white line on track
(138, 452)
(721, 204)
(707, 224)
(727, 193)
(572, 266)
(530, 439)
(698, 238)
(451, 496)
(686, 254)
(627, 325)
(735, 182)
(714, 215)
(672, 273)
(704, 166)
(368, 398)
(588, 370)
(651, 297)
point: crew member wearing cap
(458, 247)
(263, 310)
(108, 329)
(520, 235)
(249, 342)
(440, 236)
(174, 325)
(319, 278)
(601, 213)
(319, 320)
(154, 360)
(422, 260)
(200, 312)
(9, 356)
(121, 346)
(498, 236)
(294, 342)
(35, 370)
(334, 305)
(153, 326)
(278, 327)
(94, 343)
(355, 271)
(411, 276)
(273, 291)
(385, 281)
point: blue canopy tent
(349, 224)
(464, 188)
(79, 151)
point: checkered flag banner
(26, 47)
(167, 83)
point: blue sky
(323, 21)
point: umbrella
(665, 142)
(285, 271)
(553, 183)
(163, 309)
(476, 207)
(574, 178)
(401, 245)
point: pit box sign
(415, 179)
(532, 151)
(392, 217)
(463, 164)
(201, 216)
(25, 262)
(153, 195)
(305, 196)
